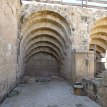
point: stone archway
(99, 43)
(46, 38)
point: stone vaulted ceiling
(45, 31)
(99, 36)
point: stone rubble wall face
(9, 16)
(81, 20)
(96, 92)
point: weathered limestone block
(105, 78)
(84, 65)
(9, 18)
(102, 96)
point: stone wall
(81, 20)
(96, 91)
(42, 64)
(84, 65)
(9, 16)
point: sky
(89, 3)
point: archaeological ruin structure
(50, 38)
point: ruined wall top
(81, 20)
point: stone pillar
(84, 65)
(105, 78)
(105, 72)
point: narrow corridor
(47, 94)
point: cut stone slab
(24, 80)
(31, 80)
(105, 78)
(42, 79)
(52, 106)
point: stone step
(28, 79)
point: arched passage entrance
(43, 64)
(99, 43)
(45, 46)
